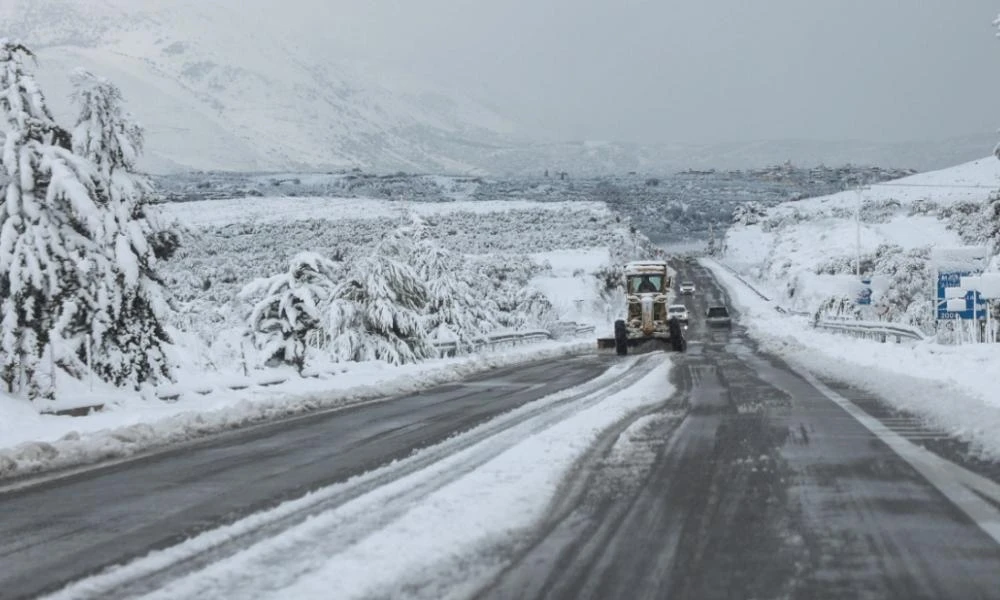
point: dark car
(718, 316)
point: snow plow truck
(646, 325)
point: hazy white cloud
(691, 70)
(668, 70)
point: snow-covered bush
(906, 278)
(782, 220)
(376, 313)
(506, 280)
(969, 219)
(456, 308)
(923, 206)
(838, 307)
(991, 222)
(290, 315)
(907, 298)
(749, 213)
(879, 210)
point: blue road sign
(865, 295)
(975, 308)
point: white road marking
(962, 487)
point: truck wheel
(621, 338)
(677, 341)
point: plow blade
(636, 345)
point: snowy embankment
(800, 254)
(445, 521)
(35, 442)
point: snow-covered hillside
(234, 85)
(211, 100)
(806, 251)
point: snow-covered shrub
(749, 213)
(923, 206)
(611, 279)
(457, 309)
(290, 315)
(506, 280)
(991, 222)
(907, 277)
(376, 313)
(969, 219)
(838, 307)
(879, 210)
(910, 280)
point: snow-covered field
(284, 209)
(434, 531)
(801, 253)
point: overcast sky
(701, 70)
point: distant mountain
(218, 87)
(598, 158)
(216, 90)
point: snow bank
(953, 387)
(30, 443)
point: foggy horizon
(683, 72)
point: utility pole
(857, 235)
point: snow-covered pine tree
(51, 229)
(126, 324)
(455, 310)
(290, 315)
(376, 312)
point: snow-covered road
(384, 502)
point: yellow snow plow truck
(646, 325)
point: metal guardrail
(445, 349)
(753, 289)
(514, 338)
(877, 330)
(496, 340)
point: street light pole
(857, 235)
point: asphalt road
(61, 531)
(751, 484)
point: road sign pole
(857, 236)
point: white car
(687, 287)
(679, 312)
